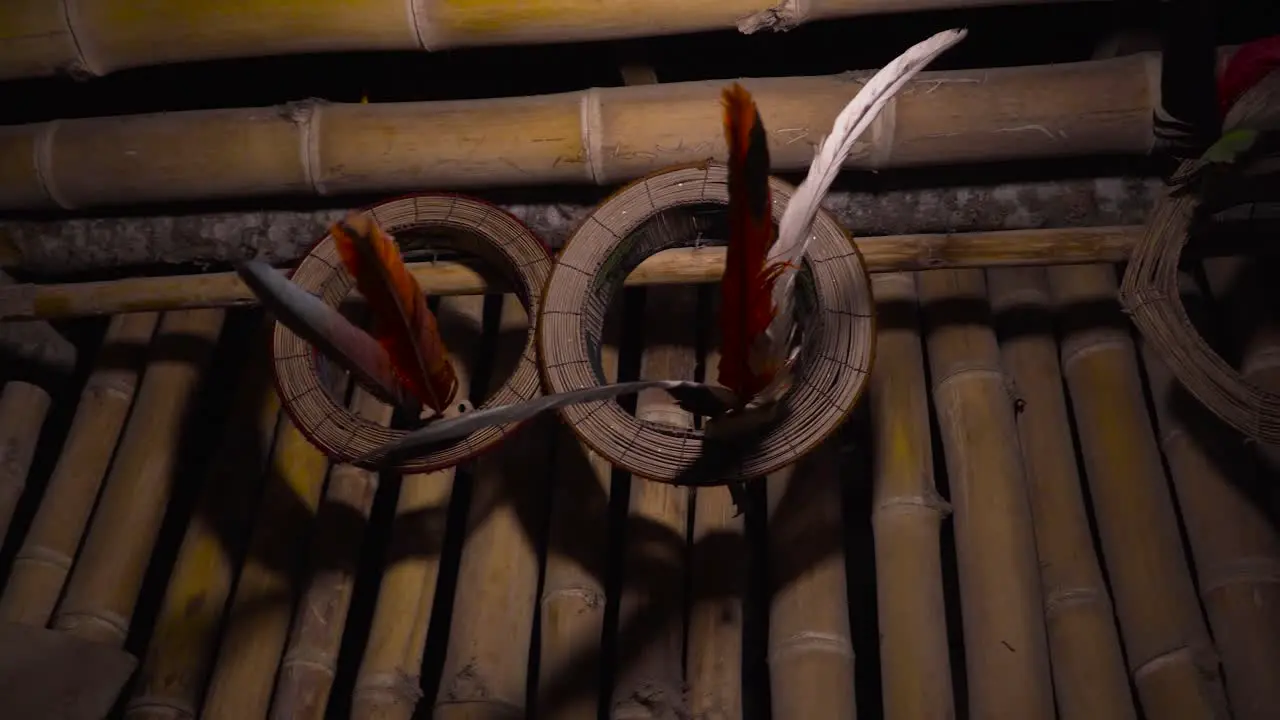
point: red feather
(1252, 62)
(746, 304)
(402, 322)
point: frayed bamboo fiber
(1005, 645)
(49, 549)
(650, 684)
(23, 409)
(907, 514)
(1090, 679)
(1171, 659)
(172, 678)
(599, 136)
(811, 660)
(270, 581)
(388, 684)
(486, 666)
(676, 266)
(107, 576)
(1233, 541)
(42, 37)
(311, 657)
(573, 592)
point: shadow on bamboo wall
(1024, 517)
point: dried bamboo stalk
(311, 657)
(49, 549)
(1171, 659)
(23, 409)
(486, 666)
(269, 583)
(1006, 649)
(650, 681)
(600, 136)
(675, 267)
(387, 687)
(1234, 543)
(811, 660)
(907, 514)
(172, 678)
(573, 592)
(1090, 679)
(107, 576)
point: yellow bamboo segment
(907, 514)
(387, 687)
(600, 136)
(1234, 543)
(107, 576)
(650, 681)
(43, 37)
(486, 666)
(23, 409)
(172, 678)
(270, 583)
(49, 549)
(573, 592)
(1090, 679)
(677, 266)
(811, 660)
(311, 657)
(1006, 649)
(1171, 659)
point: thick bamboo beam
(599, 136)
(677, 266)
(43, 37)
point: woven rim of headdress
(472, 226)
(835, 361)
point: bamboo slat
(1090, 679)
(49, 549)
(907, 514)
(486, 666)
(1006, 649)
(676, 266)
(599, 136)
(171, 680)
(23, 409)
(39, 38)
(388, 684)
(107, 577)
(811, 659)
(1171, 659)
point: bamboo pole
(49, 549)
(486, 666)
(23, 409)
(1171, 659)
(388, 684)
(811, 660)
(600, 136)
(573, 593)
(650, 681)
(172, 678)
(311, 656)
(1233, 541)
(1090, 679)
(270, 581)
(907, 514)
(670, 267)
(1006, 649)
(44, 38)
(107, 577)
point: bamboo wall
(996, 533)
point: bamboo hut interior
(1026, 515)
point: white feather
(794, 230)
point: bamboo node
(908, 504)
(395, 685)
(40, 555)
(1059, 601)
(141, 704)
(809, 641)
(1241, 571)
(1203, 658)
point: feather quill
(402, 322)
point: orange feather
(746, 304)
(402, 322)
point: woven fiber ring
(835, 359)
(463, 224)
